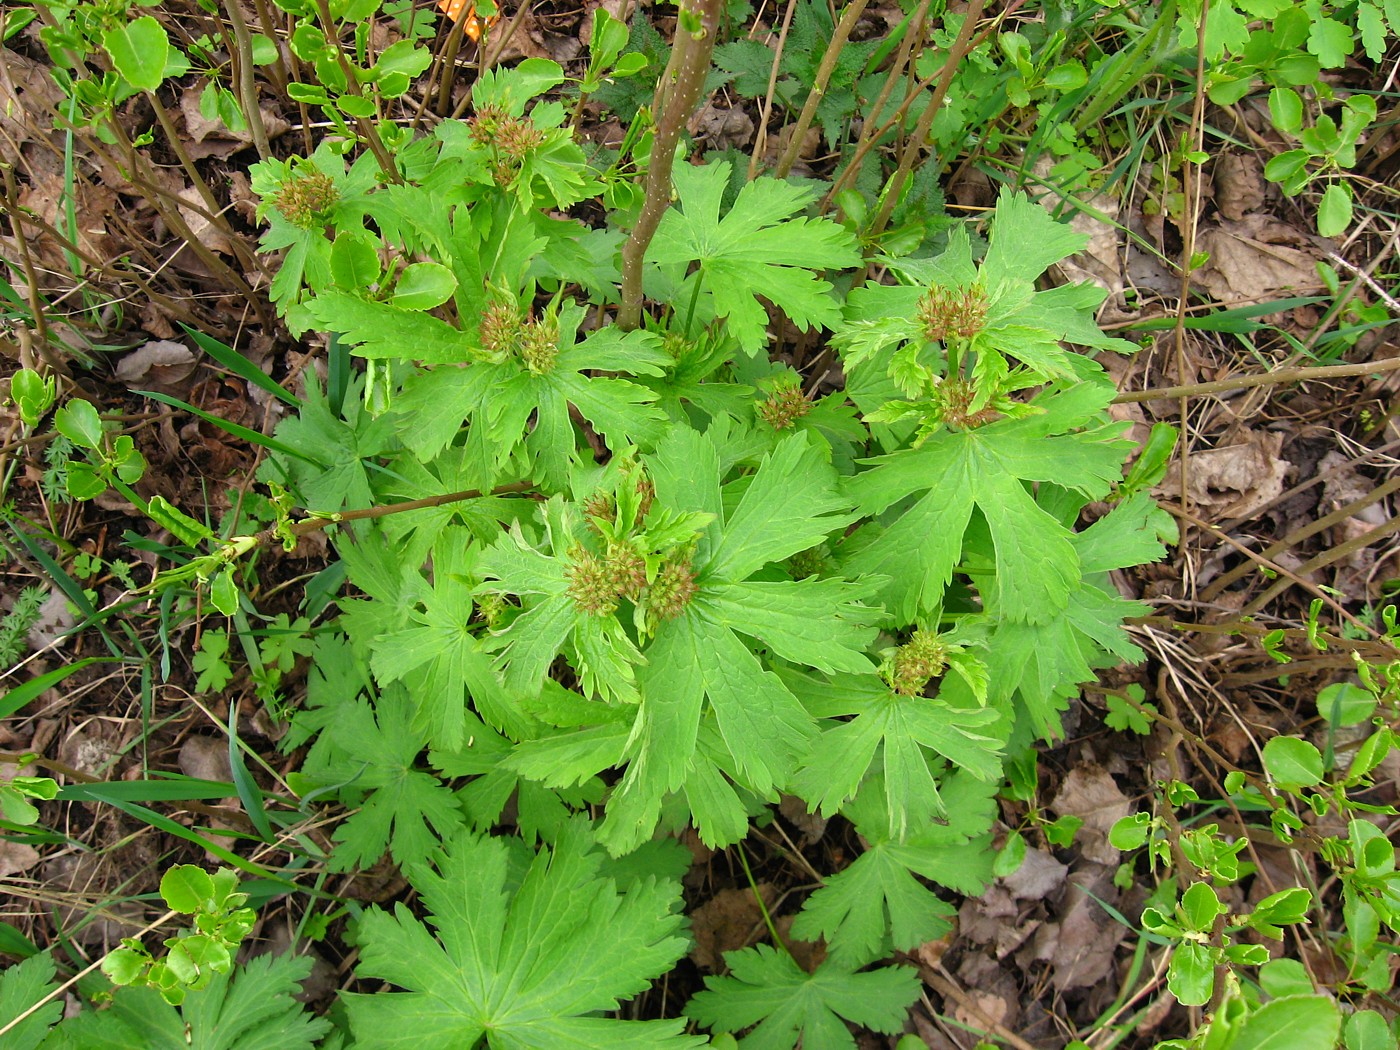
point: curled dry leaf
(1237, 480)
(1254, 260)
(160, 363)
(1093, 796)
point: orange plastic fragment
(464, 11)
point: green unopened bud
(915, 663)
(307, 197)
(590, 583)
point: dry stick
(1323, 560)
(1289, 576)
(869, 134)
(960, 49)
(213, 213)
(761, 140)
(680, 88)
(849, 18)
(247, 86)
(1283, 375)
(31, 279)
(1297, 536)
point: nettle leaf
(757, 249)
(521, 965)
(371, 753)
(767, 989)
(698, 664)
(251, 1008)
(877, 903)
(986, 470)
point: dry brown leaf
(205, 758)
(160, 363)
(1254, 260)
(1239, 185)
(16, 857)
(1090, 794)
(1039, 875)
(1080, 947)
(727, 922)
(1234, 481)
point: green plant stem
(678, 92)
(839, 36)
(1279, 376)
(247, 86)
(916, 145)
(352, 87)
(317, 522)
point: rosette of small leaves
(195, 956)
(586, 573)
(956, 339)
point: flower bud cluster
(307, 197)
(915, 663)
(784, 406)
(953, 311)
(508, 138)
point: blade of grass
(116, 792)
(240, 365)
(20, 695)
(240, 432)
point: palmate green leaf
(442, 659)
(250, 1008)
(1037, 567)
(381, 331)
(600, 649)
(371, 752)
(521, 967)
(338, 476)
(894, 734)
(757, 249)
(698, 665)
(766, 989)
(877, 902)
(1043, 664)
(508, 407)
